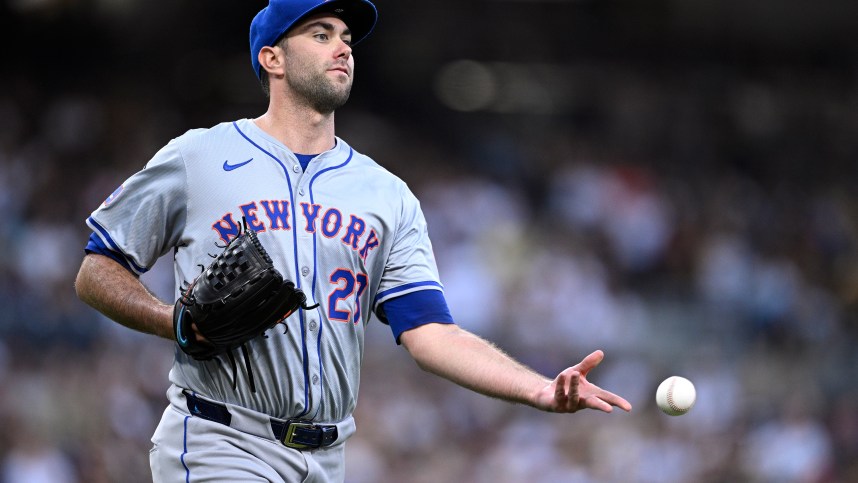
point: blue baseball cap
(273, 21)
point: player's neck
(302, 130)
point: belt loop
(207, 410)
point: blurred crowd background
(672, 181)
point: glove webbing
(187, 299)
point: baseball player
(348, 233)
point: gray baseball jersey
(347, 232)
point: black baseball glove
(238, 297)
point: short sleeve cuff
(414, 309)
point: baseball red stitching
(670, 395)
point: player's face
(319, 62)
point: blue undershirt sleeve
(413, 310)
(95, 245)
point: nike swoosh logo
(230, 167)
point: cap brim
(359, 16)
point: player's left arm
(451, 352)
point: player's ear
(271, 60)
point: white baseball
(675, 395)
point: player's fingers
(560, 392)
(597, 403)
(614, 400)
(574, 395)
(590, 362)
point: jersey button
(305, 271)
(313, 325)
(301, 191)
(296, 168)
(315, 379)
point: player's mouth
(339, 68)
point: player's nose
(344, 49)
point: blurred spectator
(792, 447)
(37, 462)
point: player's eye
(321, 36)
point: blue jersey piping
(185, 450)
(106, 237)
(315, 271)
(403, 288)
(306, 362)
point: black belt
(294, 433)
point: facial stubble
(318, 90)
